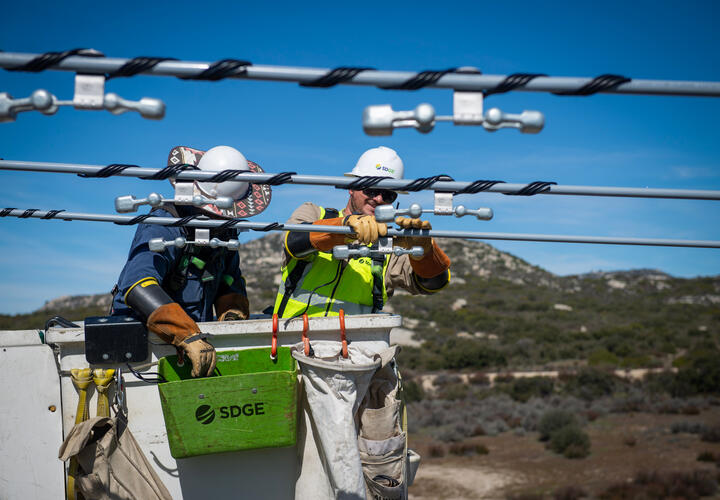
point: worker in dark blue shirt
(174, 289)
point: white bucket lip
(341, 364)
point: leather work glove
(434, 261)
(413, 241)
(232, 307)
(201, 354)
(172, 324)
(365, 227)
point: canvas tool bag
(111, 464)
(333, 389)
(382, 438)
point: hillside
(500, 310)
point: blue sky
(603, 140)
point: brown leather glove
(173, 325)
(413, 241)
(434, 261)
(366, 228)
(232, 307)
(201, 354)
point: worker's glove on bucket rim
(173, 325)
(366, 228)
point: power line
(456, 78)
(308, 228)
(434, 183)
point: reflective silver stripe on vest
(320, 301)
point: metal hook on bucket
(305, 339)
(343, 338)
(273, 348)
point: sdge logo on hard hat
(382, 168)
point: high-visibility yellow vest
(321, 286)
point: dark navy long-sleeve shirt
(219, 276)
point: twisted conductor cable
(49, 59)
(420, 80)
(511, 82)
(363, 182)
(600, 83)
(184, 220)
(478, 186)
(109, 171)
(169, 171)
(425, 182)
(221, 69)
(134, 220)
(338, 75)
(136, 66)
(533, 188)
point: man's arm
(299, 245)
(140, 290)
(419, 275)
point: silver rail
(308, 228)
(304, 75)
(342, 182)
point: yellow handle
(82, 378)
(102, 379)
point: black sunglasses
(387, 196)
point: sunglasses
(387, 196)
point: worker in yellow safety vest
(315, 283)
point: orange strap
(273, 347)
(305, 339)
(343, 338)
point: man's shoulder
(145, 231)
(307, 212)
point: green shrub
(525, 388)
(570, 493)
(571, 442)
(603, 357)
(468, 449)
(466, 353)
(702, 372)
(707, 456)
(436, 450)
(688, 485)
(711, 434)
(413, 391)
(454, 391)
(554, 420)
(591, 383)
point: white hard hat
(380, 161)
(223, 158)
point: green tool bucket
(250, 402)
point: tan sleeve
(399, 275)
(307, 212)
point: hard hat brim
(255, 201)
